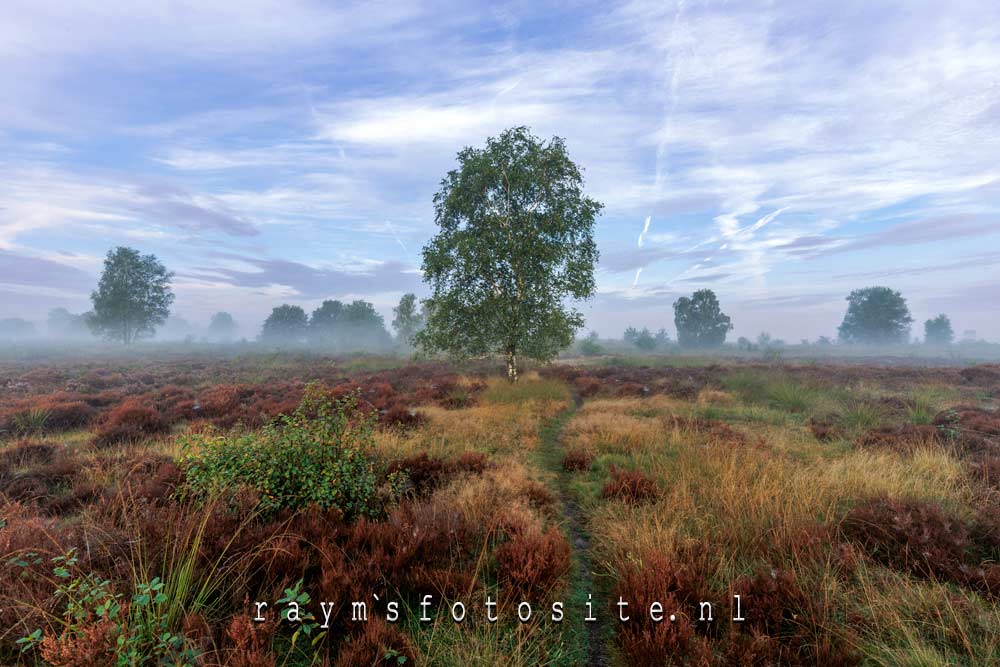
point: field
(149, 506)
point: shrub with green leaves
(99, 626)
(322, 454)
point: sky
(272, 151)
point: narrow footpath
(593, 635)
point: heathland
(149, 505)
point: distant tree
(407, 319)
(325, 322)
(699, 320)
(14, 328)
(63, 324)
(763, 339)
(356, 325)
(745, 344)
(645, 340)
(365, 326)
(222, 327)
(824, 341)
(875, 315)
(516, 241)
(285, 324)
(938, 331)
(591, 345)
(132, 298)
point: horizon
(288, 153)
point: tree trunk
(511, 366)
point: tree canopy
(875, 315)
(700, 321)
(938, 331)
(285, 324)
(222, 327)
(349, 326)
(516, 241)
(132, 298)
(645, 339)
(408, 318)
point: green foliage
(132, 298)
(860, 415)
(285, 324)
(347, 326)
(591, 346)
(644, 339)
(140, 631)
(938, 331)
(407, 318)
(222, 327)
(699, 320)
(875, 315)
(295, 610)
(321, 454)
(772, 389)
(924, 408)
(29, 421)
(516, 241)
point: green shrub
(29, 422)
(322, 454)
(98, 623)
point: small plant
(577, 459)
(322, 454)
(921, 412)
(909, 535)
(99, 628)
(297, 600)
(632, 486)
(533, 562)
(29, 422)
(130, 422)
(380, 644)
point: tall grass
(30, 422)
(773, 389)
(858, 415)
(529, 388)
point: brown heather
(855, 532)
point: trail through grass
(586, 642)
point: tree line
(513, 255)
(874, 316)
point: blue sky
(287, 151)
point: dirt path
(594, 634)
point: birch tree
(132, 298)
(514, 249)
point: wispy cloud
(752, 141)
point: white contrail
(645, 229)
(395, 236)
(637, 272)
(671, 107)
(726, 236)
